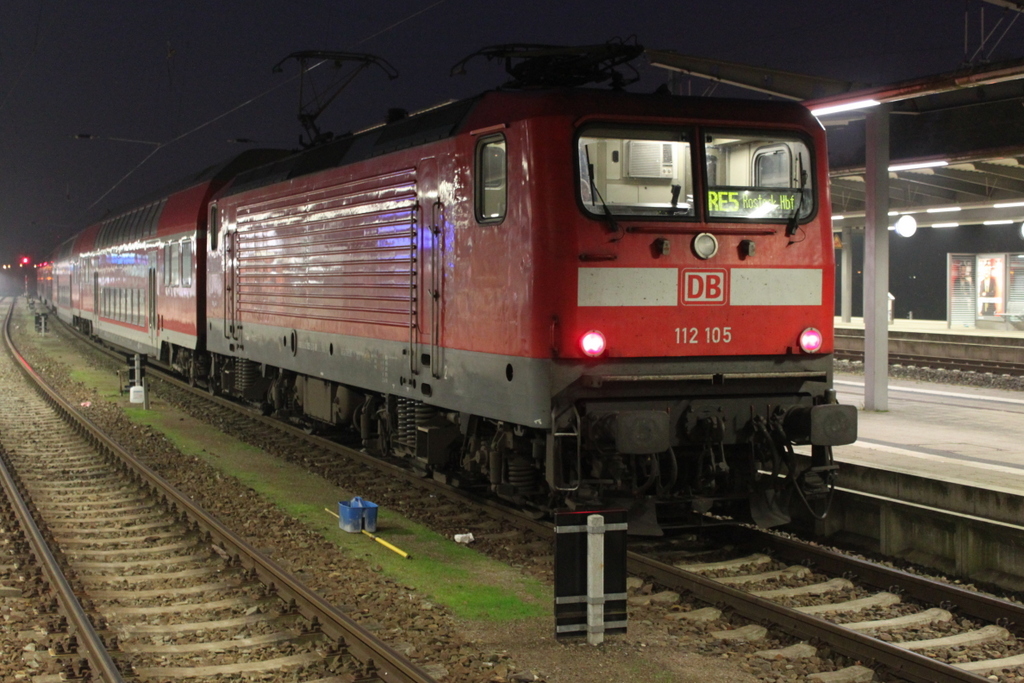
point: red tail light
(592, 343)
(811, 340)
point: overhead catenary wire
(242, 105)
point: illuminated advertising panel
(991, 284)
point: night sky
(181, 73)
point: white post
(876, 261)
(846, 302)
(595, 579)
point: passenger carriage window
(635, 172)
(186, 263)
(175, 265)
(134, 231)
(758, 176)
(213, 227)
(491, 180)
(167, 265)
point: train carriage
(137, 277)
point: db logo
(704, 286)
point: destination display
(737, 202)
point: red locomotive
(570, 296)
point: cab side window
(491, 180)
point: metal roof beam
(966, 97)
(908, 193)
(1015, 5)
(968, 77)
(902, 194)
(964, 191)
(990, 183)
(1000, 170)
(785, 84)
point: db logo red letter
(704, 286)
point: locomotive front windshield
(758, 176)
(636, 173)
(750, 176)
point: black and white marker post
(590, 570)
(139, 391)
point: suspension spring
(424, 413)
(521, 473)
(406, 435)
(246, 372)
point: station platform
(958, 434)
(904, 326)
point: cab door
(151, 284)
(232, 328)
(430, 247)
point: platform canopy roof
(957, 139)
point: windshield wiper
(594, 193)
(793, 225)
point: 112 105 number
(710, 335)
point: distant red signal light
(25, 260)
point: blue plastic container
(356, 514)
(350, 518)
(369, 515)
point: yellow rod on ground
(387, 545)
(379, 540)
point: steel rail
(388, 664)
(95, 650)
(953, 353)
(964, 364)
(902, 662)
(928, 591)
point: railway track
(164, 590)
(523, 541)
(963, 365)
(930, 352)
(918, 628)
